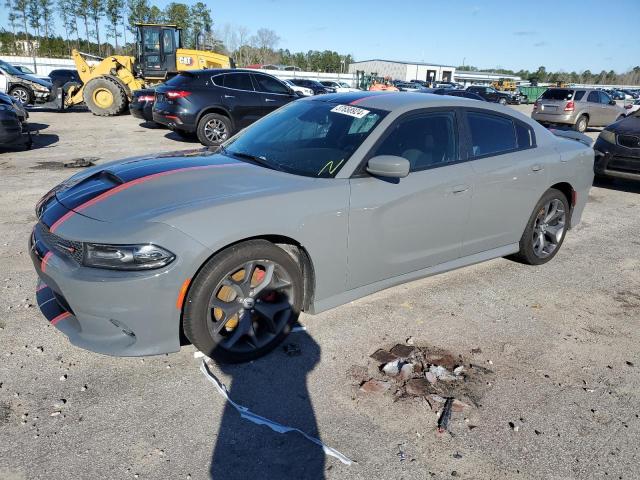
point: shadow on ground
(275, 387)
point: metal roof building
(399, 70)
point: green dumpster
(532, 93)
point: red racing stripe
(62, 316)
(45, 259)
(125, 186)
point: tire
(105, 97)
(213, 129)
(528, 252)
(22, 94)
(581, 124)
(502, 101)
(220, 289)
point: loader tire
(105, 97)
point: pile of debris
(447, 382)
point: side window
(167, 41)
(218, 80)
(238, 81)
(593, 97)
(604, 98)
(490, 134)
(525, 136)
(426, 140)
(270, 85)
(578, 95)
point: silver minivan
(578, 107)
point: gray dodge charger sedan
(325, 200)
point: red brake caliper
(269, 297)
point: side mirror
(612, 102)
(389, 166)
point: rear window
(179, 80)
(491, 134)
(558, 94)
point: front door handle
(269, 100)
(229, 96)
(536, 167)
(459, 188)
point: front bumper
(616, 161)
(106, 311)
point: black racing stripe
(346, 98)
(52, 211)
(130, 170)
(48, 303)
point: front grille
(629, 141)
(62, 245)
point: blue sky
(559, 34)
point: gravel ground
(561, 342)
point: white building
(466, 77)
(406, 71)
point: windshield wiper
(262, 161)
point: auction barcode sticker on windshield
(349, 110)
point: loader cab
(156, 49)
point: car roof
(401, 101)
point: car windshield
(309, 138)
(10, 69)
(26, 70)
(557, 94)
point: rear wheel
(581, 124)
(243, 302)
(213, 129)
(545, 230)
(105, 97)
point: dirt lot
(559, 399)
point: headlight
(40, 88)
(126, 257)
(608, 136)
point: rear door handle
(459, 188)
(229, 96)
(536, 167)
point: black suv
(317, 87)
(492, 95)
(62, 76)
(215, 104)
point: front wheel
(546, 229)
(22, 95)
(502, 101)
(243, 302)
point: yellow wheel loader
(108, 82)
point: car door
(397, 227)
(3, 82)
(594, 109)
(274, 93)
(610, 113)
(239, 98)
(510, 174)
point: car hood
(151, 188)
(627, 126)
(33, 79)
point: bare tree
(96, 11)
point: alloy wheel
(548, 228)
(21, 95)
(216, 131)
(250, 306)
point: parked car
(61, 76)
(616, 94)
(618, 149)
(228, 246)
(411, 87)
(18, 107)
(632, 107)
(141, 105)
(317, 87)
(630, 94)
(10, 125)
(576, 107)
(306, 92)
(25, 88)
(215, 104)
(454, 85)
(339, 87)
(490, 94)
(458, 93)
